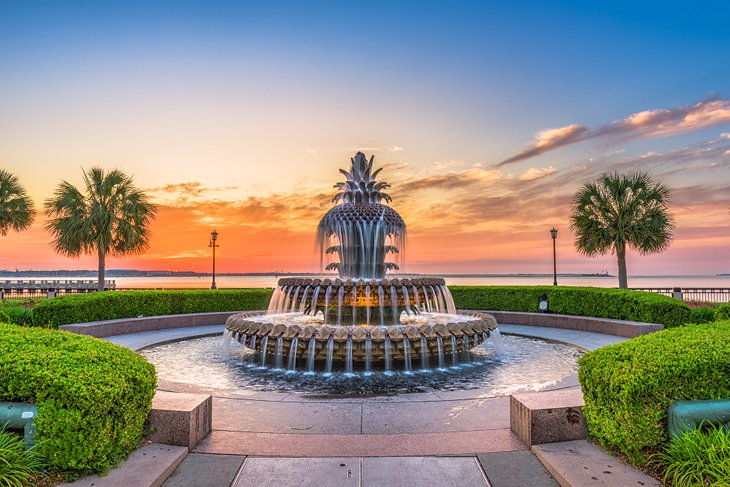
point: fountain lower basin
(300, 336)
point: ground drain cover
(361, 472)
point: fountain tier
(295, 334)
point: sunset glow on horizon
(486, 120)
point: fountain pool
(202, 364)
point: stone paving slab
(435, 417)
(307, 445)
(286, 417)
(422, 472)
(581, 464)
(147, 466)
(515, 469)
(361, 472)
(299, 472)
(200, 469)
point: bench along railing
(42, 288)
(710, 294)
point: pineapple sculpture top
(358, 233)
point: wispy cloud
(389, 148)
(647, 123)
(448, 164)
(547, 140)
(536, 173)
(452, 180)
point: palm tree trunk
(623, 282)
(102, 267)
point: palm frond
(16, 208)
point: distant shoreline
(112, 273)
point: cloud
(536, 173)
(193, 188)
(452, 180)
(647, 123)
(548, 140)
(725, 135)
(390, 148)
(310, 151)
(448, 165)
(394, 166)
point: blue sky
(252, 104)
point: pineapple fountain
(361, 319)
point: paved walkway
(431, 439)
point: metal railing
(38, 289)
(707, 294)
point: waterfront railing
(705, 294)
(34, 288)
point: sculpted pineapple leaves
(361, 186)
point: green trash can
(20, 415)
(688, 415)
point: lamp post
(213, 238)
(554, 234)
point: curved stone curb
(123, 326)
(622, 328)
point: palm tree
(111, 218)
(620, 210)
(16, 207)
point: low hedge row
(722, 312)
(93, 397)
(620, 304)
(81, 308)
(629, 386)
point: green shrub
(722, 312)
(16, 312)
(81, 308)
(701, 314)
(18, 466)
(698, 457)
(93, 397)
(628, 387)
(620, 304)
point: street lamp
(554, 234)
(213, 238)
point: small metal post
(554, 234)
(213, 238)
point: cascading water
(362, 319)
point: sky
(486, 117)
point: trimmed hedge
(619, 304)
(82, 308)
(629, 386)
(16, 312)
(93, 397)
(722, 312)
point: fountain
(362, 317)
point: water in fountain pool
(525, 364)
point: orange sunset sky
(237, 118)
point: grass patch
(18, 467)
(699, 457)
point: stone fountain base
(359, 343)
